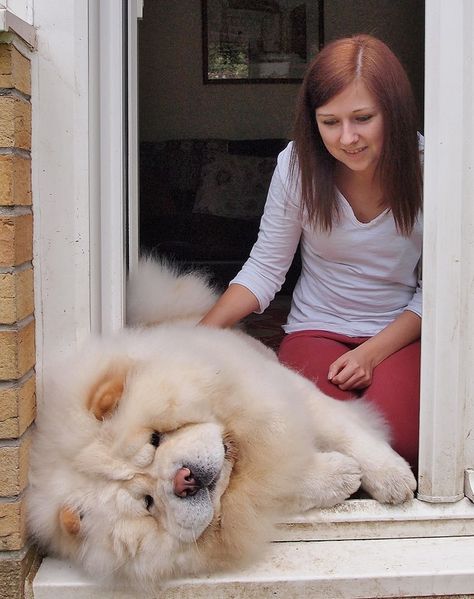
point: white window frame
(79, 131)
(21, 9)
(86, 234)
(16, 18)
(447, 394)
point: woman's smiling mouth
(354, 152)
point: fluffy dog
(172, 449)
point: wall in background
(174, 102)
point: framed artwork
(259, 41)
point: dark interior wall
(399, 23)
(175, 104)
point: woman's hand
(233, 305)
(353, 370)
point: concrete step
(336, 569)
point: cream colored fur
(123, 416)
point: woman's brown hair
(341, 62)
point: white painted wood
(135, 10)
(326, 569)
(60, 179)
(112, 163)
(140, 4)
(447, 352)
(12, 24)
(78, 166)
(23, 9)
(367, 519)
(467, 236)
(469, 484)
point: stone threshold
(336, 569)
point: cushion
(234, 185)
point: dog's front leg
(328, 480)
(356, 430)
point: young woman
(349, 190)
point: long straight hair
(367, 59)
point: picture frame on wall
(260, 41)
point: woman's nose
(349, 134)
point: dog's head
(144, 508)
(169, 481)
(174, 459)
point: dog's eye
(155, 438)
(149, 501)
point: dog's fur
(172, 449)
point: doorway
(207, 151)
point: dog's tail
(158, 291)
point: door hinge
(140, 9)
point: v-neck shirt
(355, 279)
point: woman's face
(351, 127)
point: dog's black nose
(185, 483)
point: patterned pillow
(234, 185)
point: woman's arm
(353, 370)
(263, 273)
(233, 305)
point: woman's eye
(329, 123)
(364, 118)
(155, 438)
(149, 501)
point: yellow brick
(17, 351)
(17, 408)
(12, 526)
(14, 471)
(15, 568)
(15, 71)
(15, 180)
(16, 295)
(15, 123)
(16, 239)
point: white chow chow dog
(172, 449)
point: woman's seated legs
(311, 353)
(395, 387)
(395, 390)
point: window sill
(11, 24)
(346, 569)
(357, 549)
(367, 519)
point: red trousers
(395, 387)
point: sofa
(201, 200)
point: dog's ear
(70, 521)
(107, 391)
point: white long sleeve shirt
(355, 280)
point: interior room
(218, 80)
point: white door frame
(79, 157)
(79, 189)
(447, 391)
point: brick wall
(17, 344)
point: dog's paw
(137, 447)
(392, 482)
(331, 479)
(144, 456)
(343, 475)
(118, 471)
